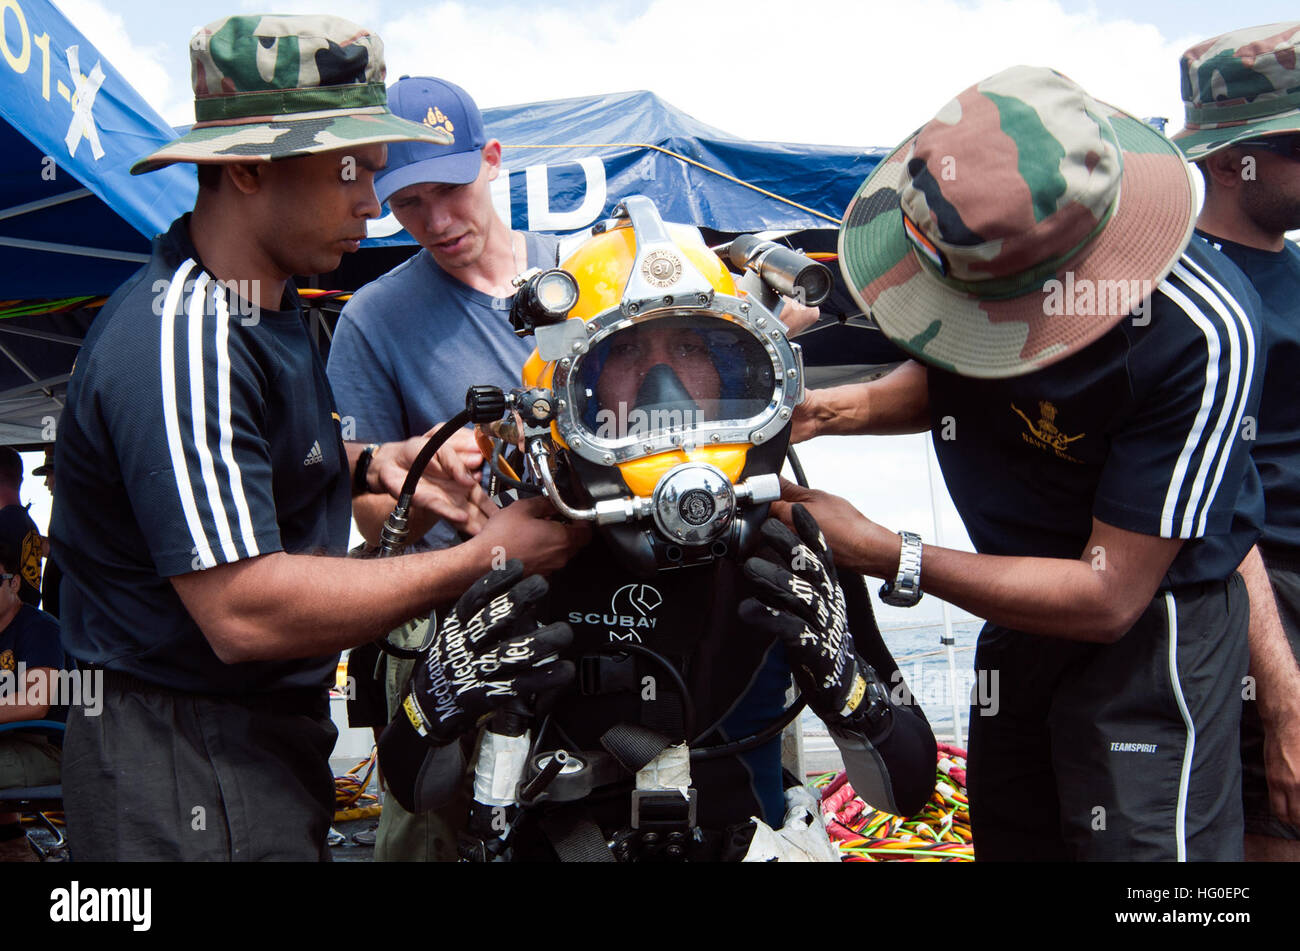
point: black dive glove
(489, 650)
(801, 602)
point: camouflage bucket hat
(274, 87)
(1240, 85)
(972, 243)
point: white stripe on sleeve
(223, 418)
(1248, 334)
(1167, 527)
(199, 417)
(1231, 401)
(171, 419)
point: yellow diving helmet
(660, 407)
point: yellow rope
(688, 161)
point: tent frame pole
(947, 639)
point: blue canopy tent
(73, 222)
(571, 160)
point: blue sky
(844, 58)
(155, 22)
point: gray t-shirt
(409, 345)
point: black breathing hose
(523, 488)
(393, 537)
(796, 467)
(748, 743)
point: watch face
(891, 595)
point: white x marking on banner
(83, 97)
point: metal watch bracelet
(905, 590)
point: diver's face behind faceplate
(663, 371)
(681, 377)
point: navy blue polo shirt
(1276, 276)
(195, 434)
(1142, 429)
(32, 639)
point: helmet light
(544, 298)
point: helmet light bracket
(565, 339)
(660, 269)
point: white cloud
(362, 12)
(142, 65)
(851, 73)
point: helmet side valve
(482, 404)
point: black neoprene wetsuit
(736, 679)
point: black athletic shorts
(1284, 573)
(1119, 752)
(161, 775)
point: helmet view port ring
(771, 364)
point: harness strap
(574, 836)
(633, 746)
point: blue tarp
(70, 128)
(571, 160)
(72, 220)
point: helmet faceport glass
(680, 375)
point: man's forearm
(15, 708)
(1277, 676)
(1081, 599)
(896, 403)
(17, 712)
(280, 607)
(1054, 597)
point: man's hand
(898, 402)
(449, 488)
(1282, 767)
(858, 542)
(801, 602)
(488, 652)
(797, 317)
(804, 421)
(531, 530)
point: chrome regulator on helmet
(658, 401)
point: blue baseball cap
(437, 104)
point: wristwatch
(905, 590)
(359, 484)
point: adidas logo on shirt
(315, 456)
